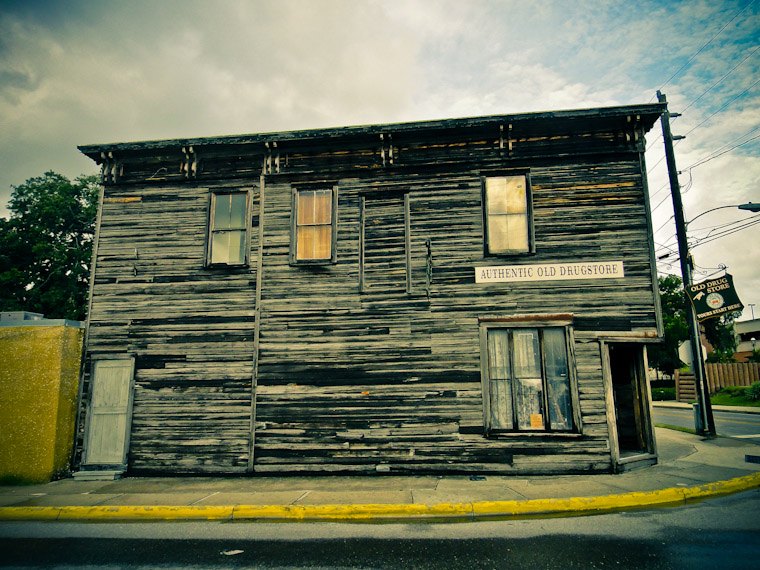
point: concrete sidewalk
(685, 406)
(690, 468)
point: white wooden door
(110, 414)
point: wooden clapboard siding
(190, 328)
(372, 362)
(396, 367)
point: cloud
(89, 71)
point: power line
(650, 169)
(695, 241)
(726, 233)
(723, 107)
(720, 80)
(708, 158)
(700, 50)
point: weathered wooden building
(468, 295)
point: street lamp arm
(751, 206)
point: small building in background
(39, 380)
(747, 338)
(458, 296)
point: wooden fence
(718, 377)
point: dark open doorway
(631, 400)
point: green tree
(719, 332)
(46, 246)
(664, 356)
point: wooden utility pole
(700, 375)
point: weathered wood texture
(350, 380)
(371, 363)
(189, 327)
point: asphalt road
(731, 424)
(721, 533)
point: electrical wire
(665, 224)
(700, 50)
(714, 85)
(675, 144)
(738, 225)
(708, 158)
(723, 107)
(725, 233)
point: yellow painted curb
(352, 512)
(577, 505)
(368, 513)
(736, 485)
(161, 512)
(29, 513)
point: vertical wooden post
(257, 322)
(700, 377)
(408, 242)
(362, 222)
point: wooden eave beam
(599, 119)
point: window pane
(496, 195)
(221, 211)
(517, 202)
(322, 206)
(528, 402)
(237, 211)
(500, 390)
(527, 363)
(305, 243)
(517, 232)
(322, 242)
(236, 247)
(557, 380)
(305, 207)
(220, 247)
(498, 354)
(497, 234)
(528, 382)
(501, 404)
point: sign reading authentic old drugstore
(714, 297)
(550, 272)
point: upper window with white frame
(228, 228)
(527, 378)
(314, 225)
(508, 214)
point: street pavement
(690, 468)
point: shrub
(734, 391)
(662, 394)
(752, 393)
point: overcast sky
(98, 71)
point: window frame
(248, 192)
(529, 212)
(530, 322)
(333, 188)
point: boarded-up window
(507, 214)
(228, 229)
(314, 225)
(528, 380)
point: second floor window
(507, 214)
(228, 229)
(314, 225)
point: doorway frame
(649, 455)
